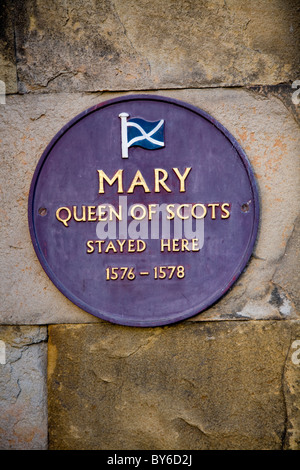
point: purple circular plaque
(143, 210)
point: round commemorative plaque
(143, 210)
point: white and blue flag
(137, 132)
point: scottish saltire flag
(140, 133)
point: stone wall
(227, 378)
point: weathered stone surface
(125, 45)
(220, 385)
(287, 275)
(291, 384)
(8, 71)
(27, 126)
(23, 391)
(288, 93)
(262, 125)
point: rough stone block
(8, 66)
(23, 391)
(125, 45)
(287, 274)
(262, 125)
(220, 385)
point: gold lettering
(117, 176)
(175, 244)
(165, 244)
(100, 242)
(141, 245)
(131, 246)
(182, 178)
(91, 214)
(83, 217)
(203, 213)
(213, 209)
(179, 208)
(89, 244)
(121, 245)
(64, 220)
(169, 210)
(151, 211)
(102, 214)
(113, 211)
(227, 213)
(160, 181)
(138, 180)
(139, 207)
(185, 245)
(110, 246)
(195, 244)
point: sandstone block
(23, 393)
(8, 66)
(287, 274)
(125, 45)
(197, 386)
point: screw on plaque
(245, 207)
(42, 211)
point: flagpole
(123, 117)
